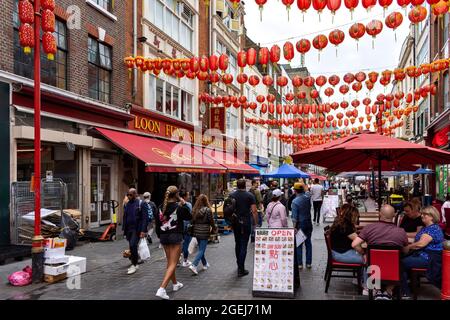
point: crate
(52, 279)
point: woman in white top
(276, 211)
(445, 205)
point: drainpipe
(135, 73)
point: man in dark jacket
(135, 221)
(268, 195)
(154, 210)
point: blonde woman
(169, 228)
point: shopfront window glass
(159, 95)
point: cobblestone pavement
(106, 276)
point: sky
(276, 29)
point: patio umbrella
(369, 150)
(314, 176)
(286, 171)
(418, 171)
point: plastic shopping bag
(143, 250)
(300, 237)
(192, 245)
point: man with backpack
(151, 215)
(135, 221)
(240, 210)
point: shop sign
(273, 272)
(217, 119)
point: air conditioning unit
(220, 6)
(235, 25)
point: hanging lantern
(301, 95)
(191, 75)
(253, 80)
(279, 108)
(399, 74)
(271, 108)
(386, 75)
(417, 2)
(261, 4)
(260, 98)
(319, 5)
(264, 108)
(270, 98)
(251, 57)
(368, 4)
(235, 3)
(385, 4)
(303, 46)
(369, 85)
(242, 59)
(48, 21)
(227, 79)
(202, 76)
(360, 76)
(242, 78)
(336, 37)
(48, 5)
(357, 31)
(373, 28)
(263, 57)
(399, 95)
(329, 92)
(344, 89)
(297, 81)
(355, 103)
(26, 37)
(411, 71)
(349, 78)
(185, 64)
(440, 8)
(204, 64)
(357, 86)
(334, 80)
(344, 104)
(303, 5)
(214, 77)
(287, 110)
(308, 81)
(288, 51)
(320, 42)
(223, 62)
(373, 76)
(351, 5)
(194, 64)
(275, 54)
(26, 12)
(384, 81)
(366, 101)
(404, 4)
(267, 80)
(282, 81)
(314, 94)
(290, 96)
(333, 6)
(49, 45)
(213, 63)
(393, 21)
(425, 68)
(417, 14)
(253, 106)
(321, 81)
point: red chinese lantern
(288, 4)
(275, 54)
(440, 8)
(368, 4)
(329, 92)
(303, 46)
(360, 76)
(263, 57)
(213, 63)
(282, 81)
(194, 64)
(386, 75)
(129, 62)
(351, 5)
(214, 77)
(321, 81)
(303, 5)
(261, 4)
(267, 80)
(334, 80)
(271, 108)
(301, 95)
(320, 42)
(227, 79)
(373, 28)
(333, 6)
(290, 96)
(403, 3)
(49, 45)
(270, 98)
(242, 99)
(297, 81)
(349, 78)
(357, 86)
(48, 5)
(251, 56)
(260, 98)
(223, 62)
(399, 74)
(253, 106)
(288, 51)
(336, 37)
(308, 81)
(314, 94)
(26, 37)
(26, 12)
(344, 104)
(417, 2)
(369, 85)
(344, 89)
(253, 80)
(355, 103)
(319, 5)
(417, 14)
(204, 63)
(264, 108)
(385, 4)
(393, 21)
(279, 108)
(48, 21)
(287, 109)
(242, 59)
(357, 31)
(202, 76)
(242, 78)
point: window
(174, 18)
(100, 67)
(422, 118)
(232, 122)
(54, 72)
(105, 4)
(186, 106)
(159, 95)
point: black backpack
(229, 208)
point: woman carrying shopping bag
(169, 228)
(202, 226)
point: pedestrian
(135, 220)
(202, 227)
(245, 209)
(317, 199)
(154, 210)
(268, 197)
(169, 228)
(276, 211)
(301, 218)
(186, 236)
(259, 205)
(445, 206)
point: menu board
(273, 272)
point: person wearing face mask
(152, 211)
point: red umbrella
(314, 176)
(369, 150)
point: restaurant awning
(163, 156)
(229, 161)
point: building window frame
(101, 63)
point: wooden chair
(387, 258)
(339, 267)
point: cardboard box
(57, 260)
(77, 265)
(54, 252)
(55, 270)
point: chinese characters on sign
(217, 117)
(274, 261)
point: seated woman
(412, 220)
(428, 241)
(342, 233)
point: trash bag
(70, 230)
(143, 250)
(21, 278)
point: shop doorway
(100, 192)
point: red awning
(229, 161)
(163, 156)
(314, 176)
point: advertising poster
(440, 172)
(273, 272)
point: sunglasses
(129, 195)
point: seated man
(412, 220)
(383, 232)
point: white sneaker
(132, 269)
(365, 292)
(177, 286)
(206, 267)
(193, 269)
(162, 294)
(186, 263)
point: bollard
(445, 291)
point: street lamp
(33, 19)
